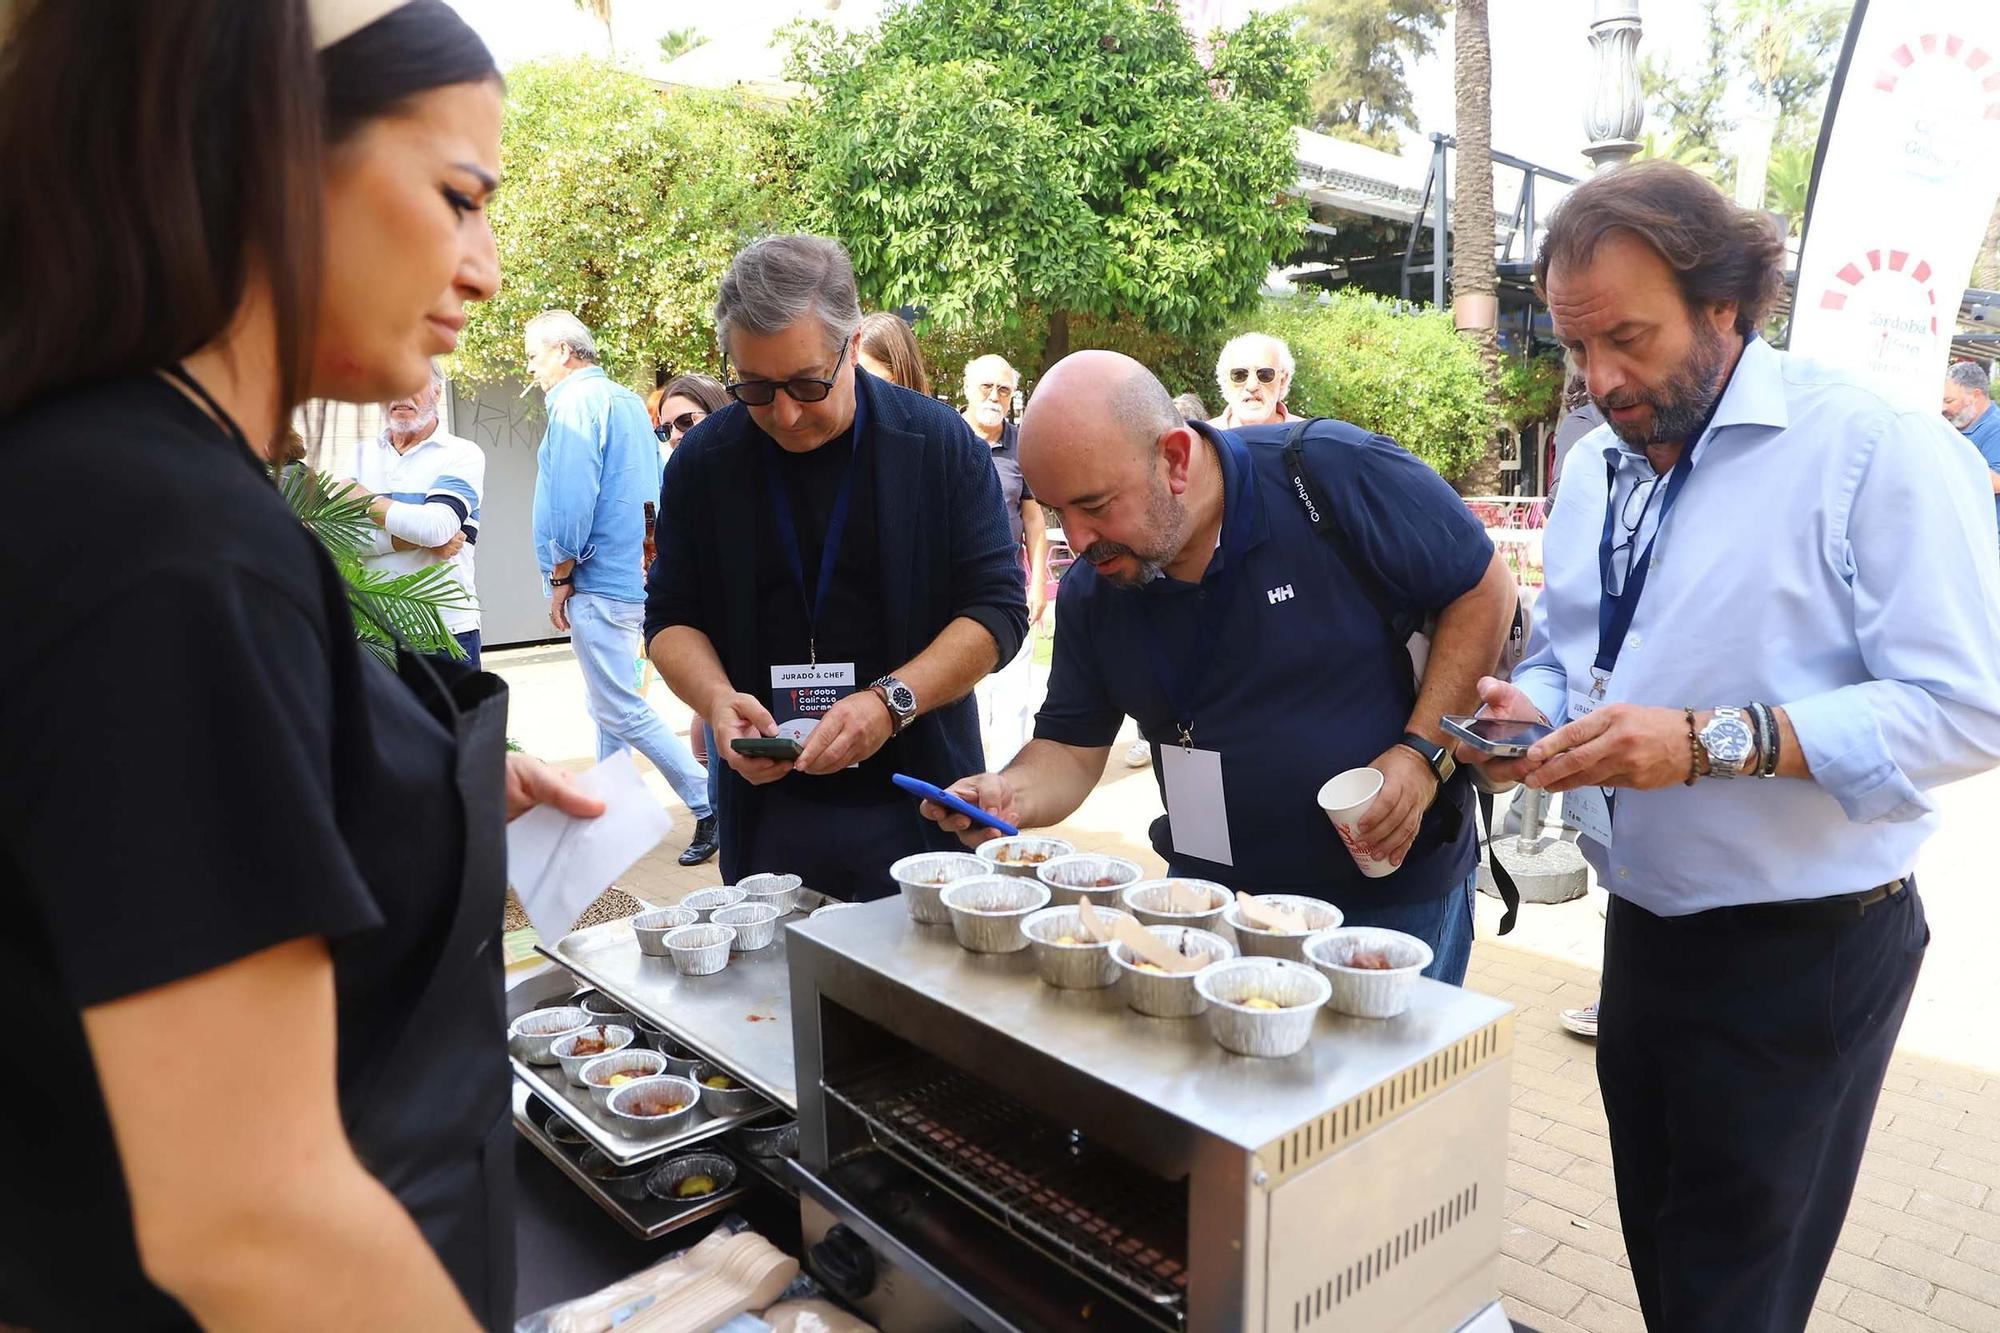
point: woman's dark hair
(696, 389)
(1718, 252)
(888, 339)
(172, 147)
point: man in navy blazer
(835, 566)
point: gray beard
(1683, 402)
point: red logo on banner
(1949, 47)
(1853, 274)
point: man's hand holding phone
(1502, 701)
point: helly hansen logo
(1277, 595)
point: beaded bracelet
(1694, 747)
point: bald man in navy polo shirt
(1207, 606)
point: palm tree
(1788, 182)
(1671, 147)
(1474, 286)
(601, 11)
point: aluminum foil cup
(629, 1107)
(666, 1180)
(1170, 994)
(650, 928)
(1078, 965)
(755, 924)
(1003, 855)
(603, 1009)
(1151, 900)
(698, 951)
(779, 891)
(529, 1036)
(1369, 992)
(824, 908)
(1296, 989)
(596, 1076)
(624, 1182)
(1259, 943)
(986, 913)
(732, 1100)
(1084, 875)
(704, 901)
(923, 877)
(770, 1140)
(614, 1037)
(562, 1131)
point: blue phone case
(918, 787)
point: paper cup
(1345, 799)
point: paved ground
(1921, 1251)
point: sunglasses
(1264, 374)
(759, 393)
(679, 425)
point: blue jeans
(605, 635)
(469, 641)
(1443, 923)
(716, 763)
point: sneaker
(1583, 1022)
(1139, 753)
(703, 845)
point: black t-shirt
(199, 763)
(1013, 486)
(848, 627)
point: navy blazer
(945, 547)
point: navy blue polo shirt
(1306, 682)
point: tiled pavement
(1921, 1249)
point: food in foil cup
(1087, 875)
(924, 876)
(986, 912)
(574, 1050)
(1063, 956)
(624, 1182)
(1371, 969)
(729, 1096)
(1256, 942)
(691, 1177)
(631, 1064)
(1022, 856)
(1170, 994)
(530, 1035)
(1177, 902)
(646, 1106)
(1262, 1006)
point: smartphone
(767, 747)
(1496, 737)
(938, 795)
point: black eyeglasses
(1264, 374)
(759, 393)
(1630, 525)
(680, 425)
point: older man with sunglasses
(836, 568)
(1254, 373)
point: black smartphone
(1499, 737)
(767, 747)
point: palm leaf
(340, 522)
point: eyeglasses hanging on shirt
(1629, 524)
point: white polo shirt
(435, 490)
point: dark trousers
(1740, 1061)
(844, 851)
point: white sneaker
(1139, 753)
(1583, 1022)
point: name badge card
(1589, 808)
(802, 693)
(1196, 812)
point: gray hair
(1190, 406)
(560, 326)
(773, 282)
(1969, 375)
(1142, 407)
(1242, 342)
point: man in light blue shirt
(1968, 405)
(1763, 637)
(598, 468)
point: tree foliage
(623, 204)
(1783, 50)
(982, 158)
(1362, 92)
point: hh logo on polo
(1277, 595)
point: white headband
(334, 20)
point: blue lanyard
(1616, 610)
(836, 528)
(1181, 676)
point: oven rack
(1041, 1182)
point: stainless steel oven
(980, 1149)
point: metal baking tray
(574, 1105)
(740, 1018)
(646, 1218)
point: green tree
(1784, 51)
(1689, 100)
(623, 204)
(1474, 279)
(981, 158)
(1363, 93)
(1789, 181)
(679, 42)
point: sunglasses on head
(679, 425)
(804, 389)
(1264, 374)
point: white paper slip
(1196, 812)
(559, 864)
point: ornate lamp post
(1616, 109)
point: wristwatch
(900, 700)
(1730, 742)
(562, 582)
(1437, 756)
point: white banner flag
(1907, 179)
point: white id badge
(802, 693)
(1196, 812)
(1589, 808)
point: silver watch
(899, 698)
(1731, 743)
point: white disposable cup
(1345, 798)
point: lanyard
(1616, 610)
(836, 528)
(1181, 675)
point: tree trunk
(1474, 288)
(1055, 344)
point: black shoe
(703, 845)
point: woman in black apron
(252, 879)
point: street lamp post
(1616, 109)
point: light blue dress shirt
(599, 464)
(1828, 555)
